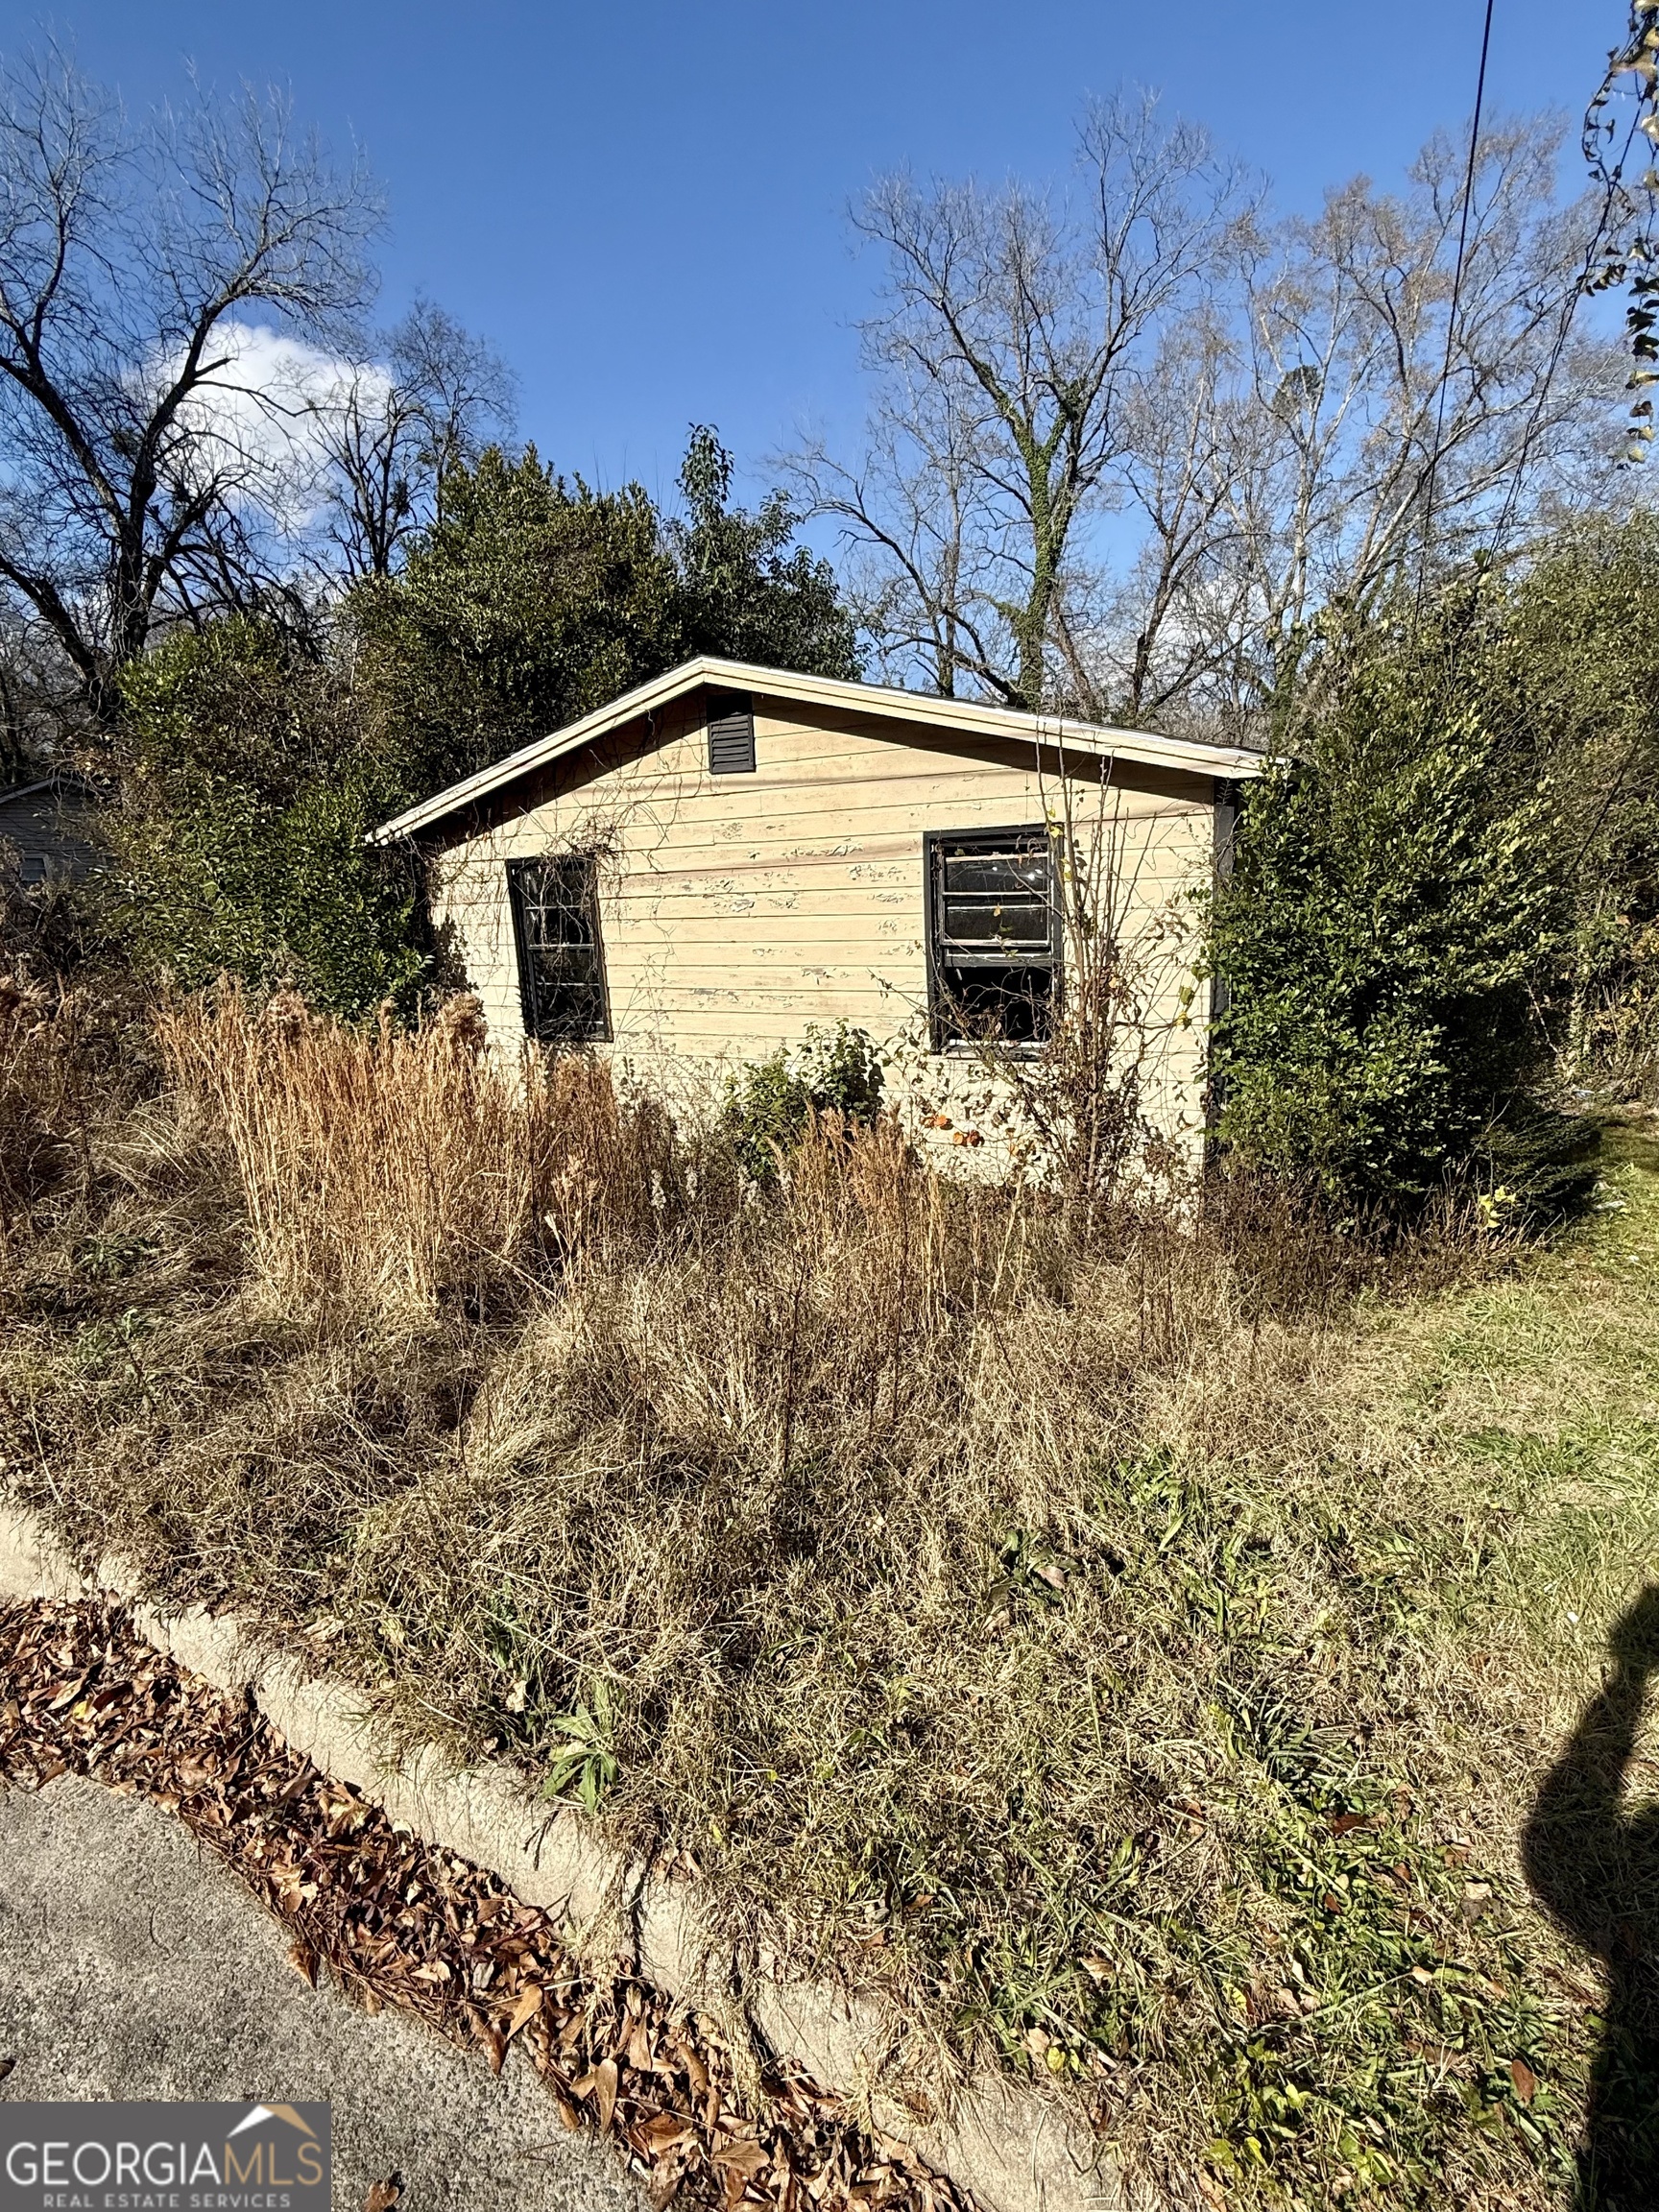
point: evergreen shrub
(1389, 936)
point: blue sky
(643, 205)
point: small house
(46, 831)
(689, 877)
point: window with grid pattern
(560, 964)
(993, 937)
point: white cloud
(263, 418)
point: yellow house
(688, 878)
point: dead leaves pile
(396, 1922)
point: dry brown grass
(400, 1167)
(999, 1611)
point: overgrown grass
(1135, 1656)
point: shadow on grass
(1594, 1863)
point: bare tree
(908, 511)
(387, 433)
(1158, 627)
(129, 258)
(1375, 415)
(1122, 463)
(1376, 437)
(1014, 326)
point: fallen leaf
(1439, 2054)
(1525, 2080)
(6, 2066)
(696, 2072)
(660, 2134)
(605, 2092)
(384, 2195)
(745, 2157)
(301, 1781)
(528, 2006)
(304, 1960)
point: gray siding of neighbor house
(45, 825)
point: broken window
(556, 927)
(993, 937)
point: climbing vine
(1621, 147)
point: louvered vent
(731, 734)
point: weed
(1131, 1654)
(771, 1104)
(586, 1766)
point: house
(44, 823)
(689, 877)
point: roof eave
(1055, 730)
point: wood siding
(735, 909)
(47, 832)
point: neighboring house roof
(65, 782)
(920, 706)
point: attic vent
(731, 733)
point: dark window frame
(946, 954)
(543, 1023)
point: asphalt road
(133, 1967)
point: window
(731, 733)
(556, 927)
(993, 937)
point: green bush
(239, 845)
(532, 600)
(1390, 936)
(770, 1106)
(1571, 658)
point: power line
(1451, 310)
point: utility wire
(1451, 310)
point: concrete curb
(1015, 2152)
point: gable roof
(65, 782)
(918, 707)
